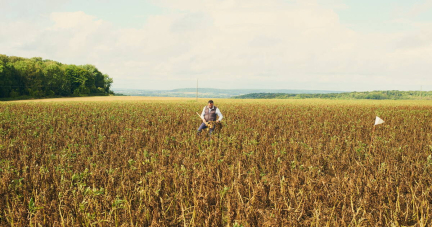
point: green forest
(393, 95)
(22, 78)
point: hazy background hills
(278, 94)
(213, 93)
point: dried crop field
(274, 163)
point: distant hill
(379, 95)
(212, 92)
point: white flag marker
(378, 121)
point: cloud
(73, 20)
(230, 43)
(420, 8)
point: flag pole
(377, 122)
(372, 138)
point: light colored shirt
(217, 113)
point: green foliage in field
(36, 78)
(274, 163)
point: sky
(339, 45)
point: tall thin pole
(372, 138)
(421, 91)
(197, 92)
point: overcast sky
(346, 45)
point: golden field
(136, 161)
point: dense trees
(35, 77)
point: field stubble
(289, 163)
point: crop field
(138, 162)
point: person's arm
(203, 114)
(219, 114)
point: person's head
(210, 103)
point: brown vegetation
(272, 164)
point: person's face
(210, 105)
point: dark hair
(210, 101)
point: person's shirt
(217, 112)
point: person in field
(210, 113)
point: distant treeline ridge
(37, 78)
(394, 95)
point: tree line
(378, 95)
(37, 78)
